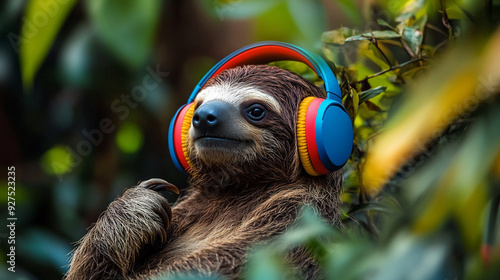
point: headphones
(324, 129)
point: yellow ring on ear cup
(301, 136)
(186, 124)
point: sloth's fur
(237, 198)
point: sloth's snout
(210, 116)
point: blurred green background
(88, 88)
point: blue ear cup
(334, 134)
(324, 129)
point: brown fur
(229, 207)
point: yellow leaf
(370, 54)
(41, 23)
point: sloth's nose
(210, 115)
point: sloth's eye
(256, 112)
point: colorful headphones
(324, 129)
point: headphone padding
(312, 136)
(186, 124)
(181, 130)
(302, 136)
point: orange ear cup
(180, 135)
(307, 138)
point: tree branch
(390, 69)
(375, 43)
(446, 22)
(407, 48)
(432, 27)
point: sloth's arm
(132, 224)
(227, 255)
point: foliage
(126, 27)
(420, 80)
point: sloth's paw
(147, 211)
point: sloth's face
(231, 124)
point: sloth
(246, 186)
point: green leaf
(355, 100)
(372, 54)
(307, 228)
(351, 103)
(373, 107)
(127, 27)
(309, 17)
(266, 264)
(337, 36)
(42, 21)
(386, 24)
(383, 34)
(413, 35)
(410, 9)
(350, 8)
(454, 12)
(276, 24)
(377, 34)
(349, 259)
(357, 38)
(238, 9)
(411, 257)
(381, 80)
(368, 94)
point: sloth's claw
(159, 185)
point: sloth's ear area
(178, 134)
(324, 135)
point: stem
(432, 27)
(438, 46)
(375, 43)
(446, 22)
(390, 69)
(383, 54)
(407, 48)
